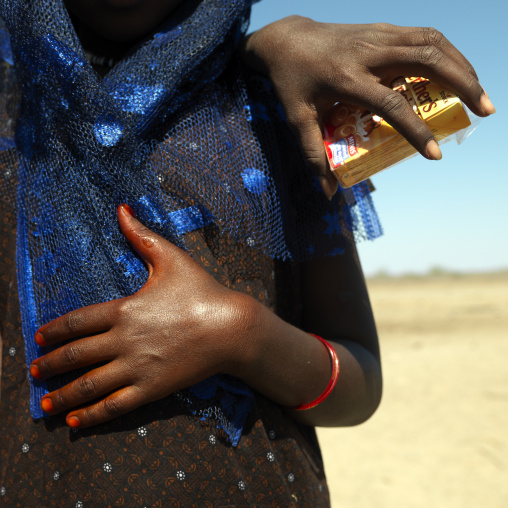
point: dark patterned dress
(158, 455)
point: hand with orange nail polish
(170, 335)
(183, 326)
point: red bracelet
(333, 378)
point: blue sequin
(255, 180)
(348, 219)
(65, 301)
(132, 264)
(61, 59)
(80, 244)
(190, 219)
(248, 113)
(138, 99)
(108, 130)
(150, 211)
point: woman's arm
(183, 326)
(314, 65)
(291, 367)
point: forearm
(291, 367)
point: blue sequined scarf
(181, 131)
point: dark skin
(183, 326)
(314, 65)
(114, 26)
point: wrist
(252, 54)
(261, 49)
(241, 334)
(278, 360)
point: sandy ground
(440, 437)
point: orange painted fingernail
(47, 405)
(39, 339)
(129, 210)
(34, 371)
(73, 421)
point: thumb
(144, 241)
(309, 132)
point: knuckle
(72, 322)
(44, 365)
(392, 103)
(381, 27)
(59, 400)
(124, 309)
(473, 85)
(300, 117)
(349, 79)
(420, 135)
(112, 407)
(432, 36)
(363, 47)
(429, 55)
(314, 162)
(71, 354)
(86, 386)
(143, 230)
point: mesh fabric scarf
(178, 129)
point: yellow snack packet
(359, 144)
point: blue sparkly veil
(181, 131)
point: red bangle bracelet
(333, 378)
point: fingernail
(128, 210)
(47, 405)
(325, 185)
(73, 421)
(39, 339)
(433, 151)
(34, 371)
(486, 104)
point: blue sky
(451, 213)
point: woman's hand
(314, 65)
(183, 326)
(168, 336)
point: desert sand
(440, 436)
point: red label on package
(351, 145)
